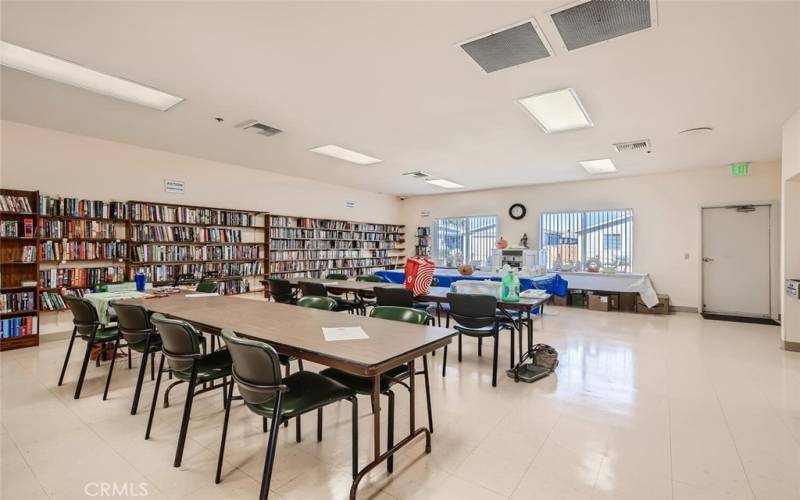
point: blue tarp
(552, 283)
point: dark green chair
(87, 326)
(363, 385)
(476, 316)
(367, 298)
(135, 327)
(370, 278)
(324, 303)
(314, 289)
(355, 304)
(257, 374)
(207, 287)
(281, 291)
(182, 351)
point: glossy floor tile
(640, 408)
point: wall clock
(517, 211)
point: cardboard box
(613, 301)
(627, 301)
(599, 302)
(560, 301)
(577, 299)
(661, 308)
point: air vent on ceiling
(587, 22)
(417, 174)
(642, 145)
(507, 47)
(259, 128)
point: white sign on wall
(425, 214)
(173, 186)
(350, 204)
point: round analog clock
(517, 211)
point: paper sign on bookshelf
(173, 186)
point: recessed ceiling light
(557, 111)
(594, 167)
(444, 183)
(345, 154)
(696, 131)
(53, 68)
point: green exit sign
(740, 169)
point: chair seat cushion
(155, 345)
(487, 331)
(363, 385)
(307, 391)
(104, 335)
(213, 366)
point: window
(606, 235)
(464, 238)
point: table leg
(376, 416)
(412, 397)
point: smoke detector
(259, 128)
(417, 174)
(640, 146)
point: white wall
(58, 163)
(790, 176)
(666, 215)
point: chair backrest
(324, 303)
(256, 368)
(370, 278)
(210, 275)
(396, 296)
(207, 287)
(335, 276)
(406, 314)
(133, 322)
(180, 342)
(184, 279)
(473, 310)
(280, 290)
(312, 289)
(84, 315)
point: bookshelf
(166, 240)
(423, 247)
(19, 269)
(313, 247)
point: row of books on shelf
(186, 215)
(290, 233)
(151, 232)
(282, 244)
(16, 228)
(82, 250)
(77, 229)
(144, 253)
(160, 273)
(233, 287)
(25, 254)
(276, 255)
(321, 273)
(19, 327)
(305, 265)
(16, 204)
(51, 301)
(87, 277)
(17, 302)
(309, 223)
(73, 207)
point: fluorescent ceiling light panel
(557, 111)
(345, 154)
(53, 68)
(444, 183)
(594, 167)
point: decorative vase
(502, 244)
(466, 270)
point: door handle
(708, 259)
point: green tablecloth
(102, 300)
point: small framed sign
(175, 187)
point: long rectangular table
(297, 331)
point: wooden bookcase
(168, 239)
(314, 247)
(13, 270)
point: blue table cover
(552, 283)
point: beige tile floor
(641, 407)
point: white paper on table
(191, 295)
(344, 333)
(331, 283)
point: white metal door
(736, 260)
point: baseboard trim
(791, 346)
(683, 309)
